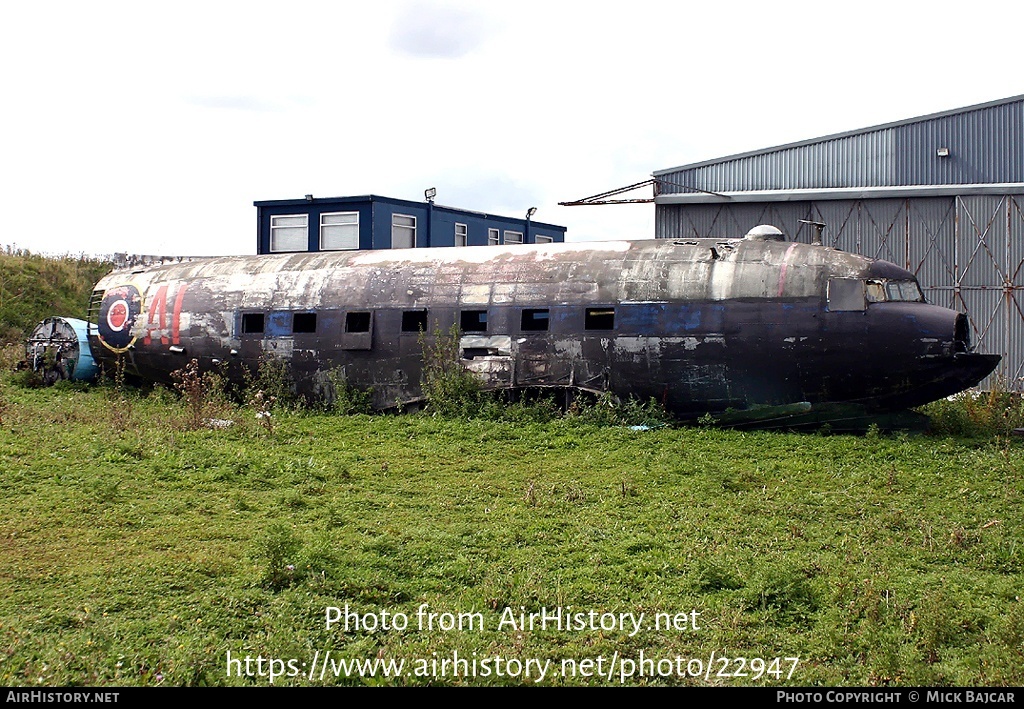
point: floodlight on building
(430, 193)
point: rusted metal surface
(701, 325)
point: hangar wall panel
(983, 144)
(830, 163)
(931, 244)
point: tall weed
(273, 377)
(203, 394)
(977, 413)
(449, 388)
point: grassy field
(135, 550)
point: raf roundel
(119, 310)
(117, 315)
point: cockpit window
(875, 292)
(881, 291)
(907, 291)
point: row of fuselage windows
(415, 321)
(339, 231)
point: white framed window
(493, 237)
(289, 232)
(403, 231)
(339, 231)
(461, 234)
(541, 239)
(513, 237)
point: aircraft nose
(961, 333)
(968, 368)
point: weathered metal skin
(701, 325)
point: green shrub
(276, 553)
(977, 413)
(335, 394)
(449, 388)
(609, 410)
(273, 381)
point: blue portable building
(375, 222)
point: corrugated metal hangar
(941, 195)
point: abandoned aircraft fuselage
(701, 325)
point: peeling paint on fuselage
(701, 325)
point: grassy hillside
(34, 287)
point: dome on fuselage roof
(765, 232)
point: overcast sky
(151, 128)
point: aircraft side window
(304, 323)
(252, 323)
(357, 322)
(473, 320)
(599, 319)
(846, 294)
(414, 321)
(534, 320)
